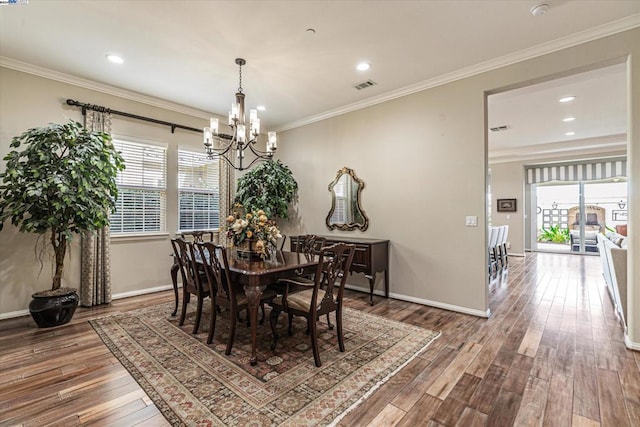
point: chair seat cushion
(300, 301)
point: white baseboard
(445, 306)
(142, 292)
(20, 313)
(630, 344)
(516, 254)
(12, 314)
(363, 289)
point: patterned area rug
(195, 384)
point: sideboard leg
(386, 283)
(372, 282)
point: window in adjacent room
(198, 191)
(142, 189)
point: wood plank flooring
(551, 354)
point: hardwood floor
(551, 354)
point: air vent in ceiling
(365, 85)
(499, 128)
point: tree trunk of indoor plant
(56, 306)
(59, 244)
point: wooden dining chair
(193, 282)
(224, 292)
(198, 236)
(308, 245)
(323, 298)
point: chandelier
(232, 148)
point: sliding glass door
(569, 216)
(553, 204)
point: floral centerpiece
(253, 231)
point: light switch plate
(472, 221)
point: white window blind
(198, 191)
(142, 189)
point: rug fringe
(379, 384)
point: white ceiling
(534, 117)
(183, 52)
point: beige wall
(507, 182)
(422, 158)
(417, 186)
(29, 101)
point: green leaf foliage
(59, 179)
(270, 186)
(554, 234)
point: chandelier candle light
(239, 141)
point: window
(142, 187)
(198, 191)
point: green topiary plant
(61, 183)
(270, 186)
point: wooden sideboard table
(371, 257)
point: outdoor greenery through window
(142, 187)
(198, 191)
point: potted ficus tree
(59, 181)
(270, 186)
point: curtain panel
(227, 193)
(95, 267)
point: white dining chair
(491, 245)
(503, 247)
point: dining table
(253, 277)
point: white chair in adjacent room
(503, 247)
(492, 239)
(497, 247)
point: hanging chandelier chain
(240, 75)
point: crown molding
(100, 87)
(608, 29)
(611, 143)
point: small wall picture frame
(620, 215)
(507, 205)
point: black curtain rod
(102, 109)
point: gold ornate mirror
(346, 212)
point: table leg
(254, 294)
(174, 280)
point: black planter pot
(53, 308)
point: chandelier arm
(253, 161)
(230, 163)
(222, 150)
(259, 153)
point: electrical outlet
(471, 221)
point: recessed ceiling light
(567, 99)
(261, 107)
(568, 119)
(570, 133)
(363, 66)
(114, 58)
